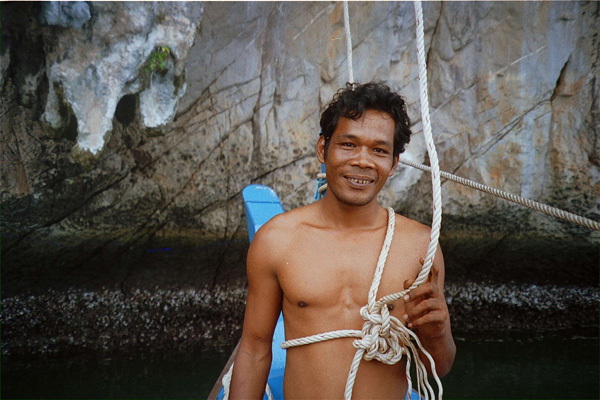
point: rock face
(136, 130)
(66, 14)
(128, 49)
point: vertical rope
(435, 174)
(435, 169)
(348, 43)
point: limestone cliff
(129, 127)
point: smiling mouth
(360, 182)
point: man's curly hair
(352, 102)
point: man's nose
(363, 158)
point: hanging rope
(435, 169)
(348, 42)
(534, 205)
(424, 98)
(384, 337)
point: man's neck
(344, 216)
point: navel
(390, 307)
(302, 304)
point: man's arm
(253, 360)
(427, 313)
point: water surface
(542, 368)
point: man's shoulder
(282, 227)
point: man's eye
(380, 151)
(347, 144)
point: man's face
(359, 157)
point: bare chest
(335, 273)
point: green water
(550, 368)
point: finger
(407, 284)
(425, 289)
(422, 307)
(433, 319)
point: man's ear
(321, 149)
(394, 165)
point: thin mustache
(359, 175)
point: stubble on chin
(348, 199)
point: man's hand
(425, 306)
(426, 311)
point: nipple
(390, 307)
(301, 304)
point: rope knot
(382, 337)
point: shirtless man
(316, 264)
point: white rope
(435, 175)
(348, 42)
(534, 205)
(435, 169)
(227, 384)
(383, 337)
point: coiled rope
(382, 337)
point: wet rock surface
(110, 320)
(530, 309)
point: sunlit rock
(89, 75)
